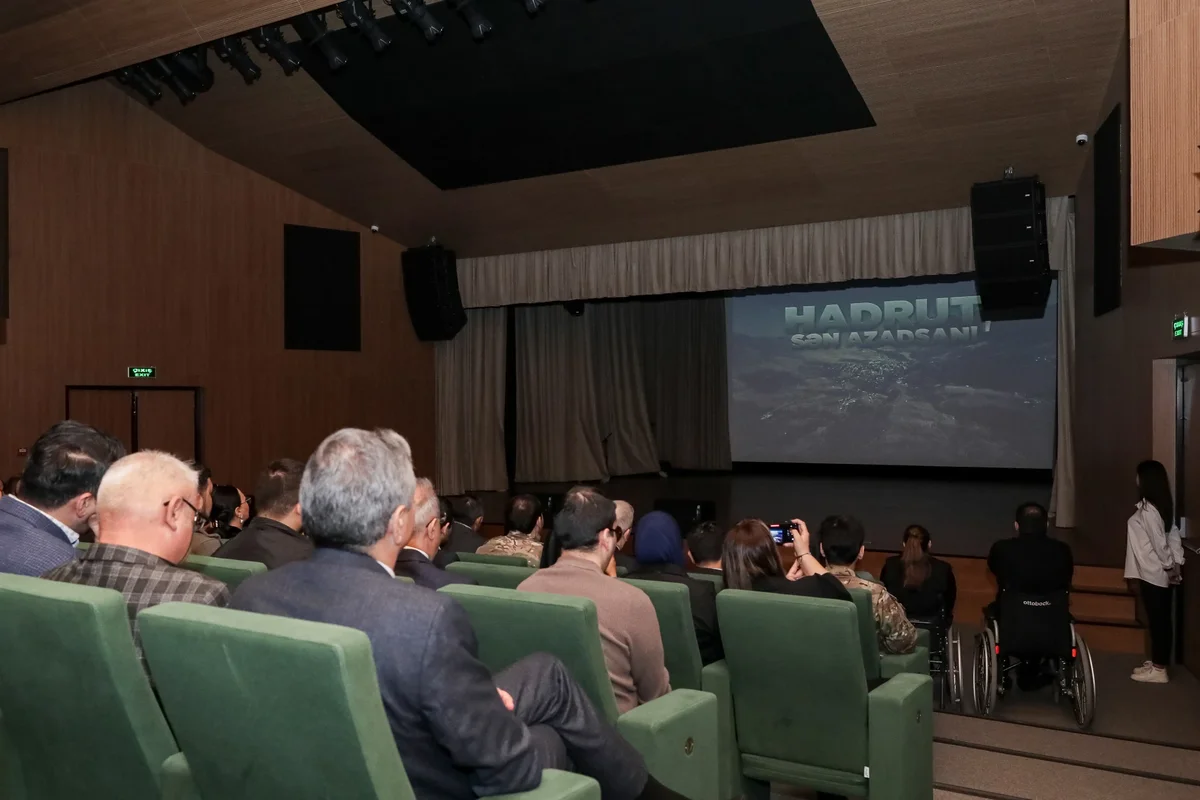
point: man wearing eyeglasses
(148, 505)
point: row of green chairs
(227, 570)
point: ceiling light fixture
(312, 29)
(161, 70)
(478, 23)
(269, 39)
(361, 17)
(232, 51)
(138, 79)
(416, 13)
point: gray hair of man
(352, 486)
(429, 509)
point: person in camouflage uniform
(524, 522)
(842, 545)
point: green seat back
(80, 715)
(716, 580)
(510, 625)
(867, 636)
(82, 546)
(267, 707)
(796, 671)
(226, 570)
(487, 558)
(501, 576)
(673, 605)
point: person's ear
(862, 551)
(400, 525)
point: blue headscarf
(657, 540)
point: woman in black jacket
(924, 585)
(750, 560)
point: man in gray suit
(461, 732)
(40, 528)
(416, 560)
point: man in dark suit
(274, 536)
(465, 536)
(40, 528)
(460, 731)
(416, 559)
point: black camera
(781, 532)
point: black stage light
(313, 30)
(358, 16)
(416, 13)
(192, 68)
(232, 51)
(478, 23)
(269, 39)
(161, 69)
(139, 80)
(533, 6)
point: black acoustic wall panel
(3, 240)
(1108, 231)
(322, 299)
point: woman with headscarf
(658, 545)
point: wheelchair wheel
(952, 678)
(1083, 684)
(983, 686)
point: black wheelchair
(945, 656)
(1034, 628)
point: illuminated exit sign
(143, 372)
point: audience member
(924, 585)
(1030, 562)
(205, 482)
(416, 559)
(460, 732)
(659, 550)
(629, 633)
(524, 521)
(704, 545)
(624, 531)
(41, 524)
(465, 536)
(842, 544)
(12, 486)
(148, 505)
(1153, 562)
(551, 550)
(750, 560)
(274, 536)
(229, 514)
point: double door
(167, 418)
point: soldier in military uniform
(524, 522)
(842, 546)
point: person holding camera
(750, 560)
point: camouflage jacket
(514, 544)
(896, 633)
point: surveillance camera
(374, 229)
(1081, 139)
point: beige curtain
(469, 374)
(895, 246)
(686, 383)
(1060, 222)
(617, 334)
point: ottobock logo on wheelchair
(1035, 603)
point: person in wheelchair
(1030, 563)
(924, 585)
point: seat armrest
(559, 785)
(715, 678)
(916, 662)
(677, 736)
(12, 785)
(900, 739)
(177, 783)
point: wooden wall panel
(133, 244)
(107, 410)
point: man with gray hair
(460, 731)
(148, 505)
(416, 560)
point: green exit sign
(1181, 329)
(143, 372)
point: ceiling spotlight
(313, 30)
(232, 51)
(192, 68)
(533, 6)
(162, 71)
(480, 27)
(139, 80)
(416, 13)
(362, 19)
(269, 39)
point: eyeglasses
(198, 521)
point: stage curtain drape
(469, 374)
(687, 392)
(617, 333)
(1060, 222)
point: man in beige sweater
(629, 635)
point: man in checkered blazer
(148, 506)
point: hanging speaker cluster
(431, 289)
(1012, 261)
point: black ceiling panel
(593, 84)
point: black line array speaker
(431, 288)
(1012, 258)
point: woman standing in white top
(1153, 558)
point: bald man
(624, 530)
(148, 506)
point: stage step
(1111, 608)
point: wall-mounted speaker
(1012, 257)
(431, 288)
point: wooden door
(166, 420)
(106, 409)
(1187, 489)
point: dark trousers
(1157, 601)
(568, 732)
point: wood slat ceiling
(960, 89)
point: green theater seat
(879, 665)
(486, 558)
(676, 734)
(226, 570)
(79, 715)
(501, 576)
(270, 708)
(715, 580)
(804, 715)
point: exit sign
(143, 372)
(1182, 327)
